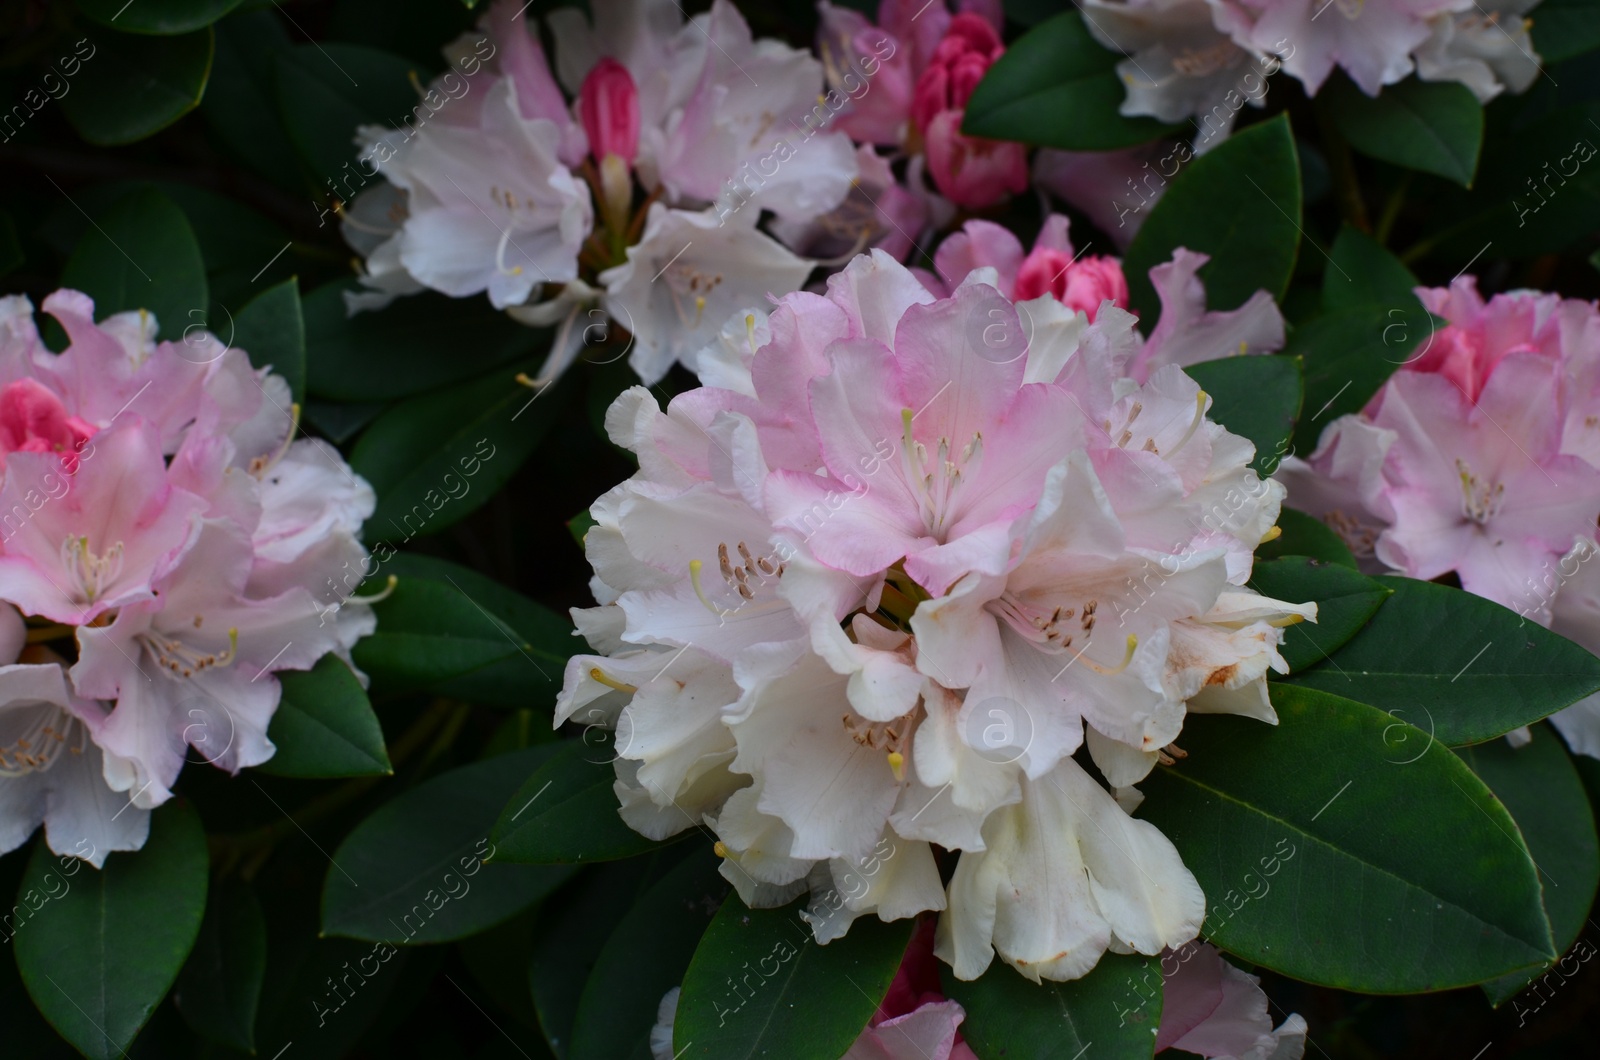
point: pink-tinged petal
(522, 60)
(1187, 334)
(803, 326)
(960, 363)
(956, 635)
(858, 532)
(1042, 422)
(927, 1033)
(977, 244)
(875, 291)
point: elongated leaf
(1112, 1012)
(1364, 274)
(434, 459)
(131, 87)
(1344, 848)
(326, 90)
(142, 255)
(1541, 789)
(1456, 665)
(1057, 86)
(567, 812)
(322, 994)
(644, 957)
(1303, 535)
(325, 727)
(272, 331)
(1434, 126)
(452, 631)
(1239, 203)
(1256, 397)
(400, 351)
(241, 105)
(807, 1001)
(1565, 28)
(1348, 355)
(1345, 600)
(160, 17)
(99, 957)
(413, 872)
(220, 988)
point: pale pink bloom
(519, 58)
(1212, 1009)
(1372, 42)
(1485, 47)
(1188, 333)
(970, 171)
(1051, 268)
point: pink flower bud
(971, 172)
(608, 102)
(33, 420)
(1081, 284)
(957, 65)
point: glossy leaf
(325, 727)
(220, 988)
(1239, 203)
(810, 1001)
(1345, 848)
(1345, 600)
(1565, 28)
(1542, 791)
(413, 871)
(567, 811)
(142, 255)
(133, 86)
(450, 630)
(160, 17)
(1255, 397)
(1305, 535)
(241, 104)
(100, 956)
(325, 91)
(1058, 87)
(1460, 667)
(1348, 354)
(1112, 1012)
(379, 356)
(1434, 126)
(1362, 273)
(645, 956)
(272, 330)
(435, 458)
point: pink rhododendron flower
(971, 172)
(1486, 47)
(1212, 1009)
(896, 517)
(155, 511)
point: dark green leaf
(220, 988)
(131, 87)
(325, 727)
(1255, 397)
(809, 1002)
(1541, 790)
(1461, 667)
(142, 255)
(435, 458)
(1434, 126)
(646, 956)
(322, 994)
(340, 421)
(1565, 28)
(413, 346)
(160, 17)
(100, 956)
(325, 91)
(1304, 535)
(1345, 602)
(1239, 203)
(413, 872)
(10, 247)
(272, 331)
(454, 632)
(567, 812)
(1347, 849)
(241, 103)
(1058, 87)
(1362, 273)
(1348, 355)
(1115, 1009)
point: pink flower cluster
(166, 545)
(1481, 457)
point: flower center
(185, 660)
(686, 284)
(32, 738)
(938, 481)
(93, 572)
(744, 579)
(1480, 500)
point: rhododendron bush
(829, 529)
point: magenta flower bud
(608, 102)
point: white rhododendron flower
(862, 604)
